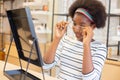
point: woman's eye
(82, 25)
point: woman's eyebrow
(80, 23)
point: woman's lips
(78, 35)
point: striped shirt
(69, 55)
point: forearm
(60, 30)
(87, 59)
(49, 56)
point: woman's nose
(77, 27)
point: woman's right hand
(60, 29)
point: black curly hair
(94, 7)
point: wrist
(86, 44)
(56, 39)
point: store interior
(45, 14)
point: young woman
(83, 58)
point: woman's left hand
(87, 34)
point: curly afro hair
(94, 7)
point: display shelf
(31, 3)
(43, 35)
(113, 20)
(112, 45)
(114, 57)
(41, 30)
(8, 0)
(113, 62)
(115, 11)
(36, 12)
(61, 14)
(114, 15)
(115, 38)
(1, 26)
(41, 16)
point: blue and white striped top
(69, 55)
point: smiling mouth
(79, 36)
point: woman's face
(80, 21)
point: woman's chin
(80, 38)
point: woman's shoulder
(98, 44)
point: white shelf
(43, 31)
(31, 3)
(43, 36)
(40, 16)
(41, 12)
(115, 57)
(36, 22)
(116, 38)
(115, 11)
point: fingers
(84, 33)
(62, 25)
(88, 31)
